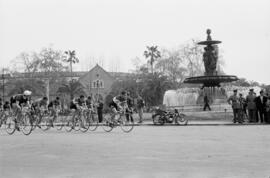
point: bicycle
(110, 121)
(61, 117)
(92, 119)
(19, 120)
(78, 121)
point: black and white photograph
(134, 89)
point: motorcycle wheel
(181, 119)
(158, 120)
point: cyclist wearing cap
(20, 100)
(116, 103)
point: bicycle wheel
(10, 125)
(107, 123)
(59, 122)
(93, 122)
(84, 124)
(45, 122)
(181, 119)
(68, 126)
(77, 124)
(25, 124)
(126, 125)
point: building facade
(97, 82)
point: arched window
(98, 83)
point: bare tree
(171, 64)
(192, 54)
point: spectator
(206, 103)
(242, 102)
(129, 110)
(251, 106)
(234, 101)
(100, 110)
(267, 110)
(140, 106)
(261, 105)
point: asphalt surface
(206, 150)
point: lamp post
(97, 90)
(3, 83)
(97, 84)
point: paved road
(148, 151)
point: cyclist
(54, 106)
(89, 103)
(40, 103)
(17, 102)
(116, 103)
(20, 100)
(76, 105)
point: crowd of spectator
(256, 108)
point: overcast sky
(112, 32)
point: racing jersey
(89, 103)
(55, 103)
(20, 99)
(79, 102)
(118, 99)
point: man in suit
(251, 106)
(261, 105)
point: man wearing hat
(251, 106)
(261, 105)
(234, 101)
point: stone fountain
(211, 80)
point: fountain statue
(211, 80)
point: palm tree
(72, 88)
(153, 53)
(71, 59)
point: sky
(113, 32)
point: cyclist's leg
(114, 113)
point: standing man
(242, 113)
(206, 103)
(100, 110)
(234, 101)
(140, 106)
(129, 110)
(261, 105)
(251, 106)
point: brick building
(96, 82)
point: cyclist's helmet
(27, 93)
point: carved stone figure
(210, 60)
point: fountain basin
(211, 80)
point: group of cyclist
(122, 102)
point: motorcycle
(160, 117)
